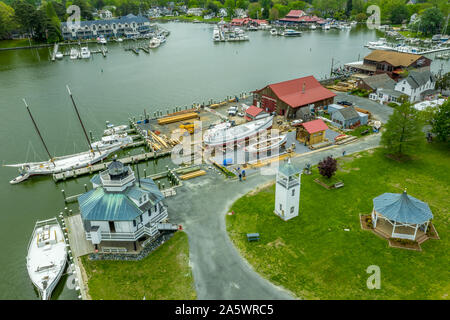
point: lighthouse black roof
(116, 168)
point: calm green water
(188, 68)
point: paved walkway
(201, 205)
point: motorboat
(74, 54)
(154, 43)
(379, 42)
(119, 40)
(59, 55)
(115, 129)
(85, 53)
(118, 140)
(225, 133)
(161, 38)
(273, 32)
(101, 40)
(271, 143)
(326, 27)
(292, 33)
(313, 27)
(252, 28)
(47, 256)
(216, 34)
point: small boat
(111, 130)
(22, 177)
(74, 54)
(292, 33)
(273, 32)
(326, 27)
(85, 53)
(47, 256)
(252, 28)
(154, 43)
(118, 140)
(59, 55)
(313, 27)
(226, 134)
(161, 38)
(216, 34)
(101, 40)
(272, 144)
(119, 40)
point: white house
(287, 191)
(105, 14)
(416, 85)
(121, 208)
(195, 12)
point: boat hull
(269, 144)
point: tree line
(41, 19)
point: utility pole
(332, 63)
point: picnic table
(253, 237)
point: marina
(126, 86)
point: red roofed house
(247, 21)
(287, 97)
(254, 113)
(311, 132)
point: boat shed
(401, 215)
(288, 97)
(311, 132)
(254, 113)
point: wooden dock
(102, 166)
(55, 50)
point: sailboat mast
(79, 118)
(37, 129)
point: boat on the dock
(118, 140)
(216, 34)
(225, 133)
(101, 40)
(292, 33)
(115, 129)
(47, 256)
(273, 143)
(85, 53)
(161, 38)
(74, 54)
(64, 163)
(273, 32)
(313, 27)
(119, 40)
(326, 27)
(59, 55)
(154, 43)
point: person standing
(243, 174)
(240, 176)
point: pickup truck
(232, 111)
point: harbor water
(188, 68)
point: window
(281, 207)
(403, 89)
(293, 192)
(292, 209)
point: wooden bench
(252, 237)
(338, 185)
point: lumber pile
(179, 117)
(194, 174)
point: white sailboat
(69, 162)
(47, 256)
(224, 134)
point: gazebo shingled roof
(401, 207)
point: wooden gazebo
(401, 215)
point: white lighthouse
(287, 191)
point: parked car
(232, 111)
(345, 103)
(296, 122)
(240, 114)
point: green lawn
(357, 131)
(163, 275)
(15, 43)
(313, 257)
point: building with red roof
(288, 97)
(311, 132)
(300, 17)
(254, 113)
(247, 21)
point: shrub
(327, 167)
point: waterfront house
(418, 85)
(374, 82)
(386, 95)
(128, 26)
(195, 12)
(121, 208)
(346, 118)
(311, 132)
(393, 63)
(288, 97)
(296, 17)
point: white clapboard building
(287, 191)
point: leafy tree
(441, 122)
(24, 13)
(229, 5)
(430, 20)
(443, 83)
(242, 4)
(7, 22)
(254, 9)
(327, 167)
(212, 7)
(85, 9)
(402, 130)
(399, 12)
(273, 14)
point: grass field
(163, 275)
(313, 257)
